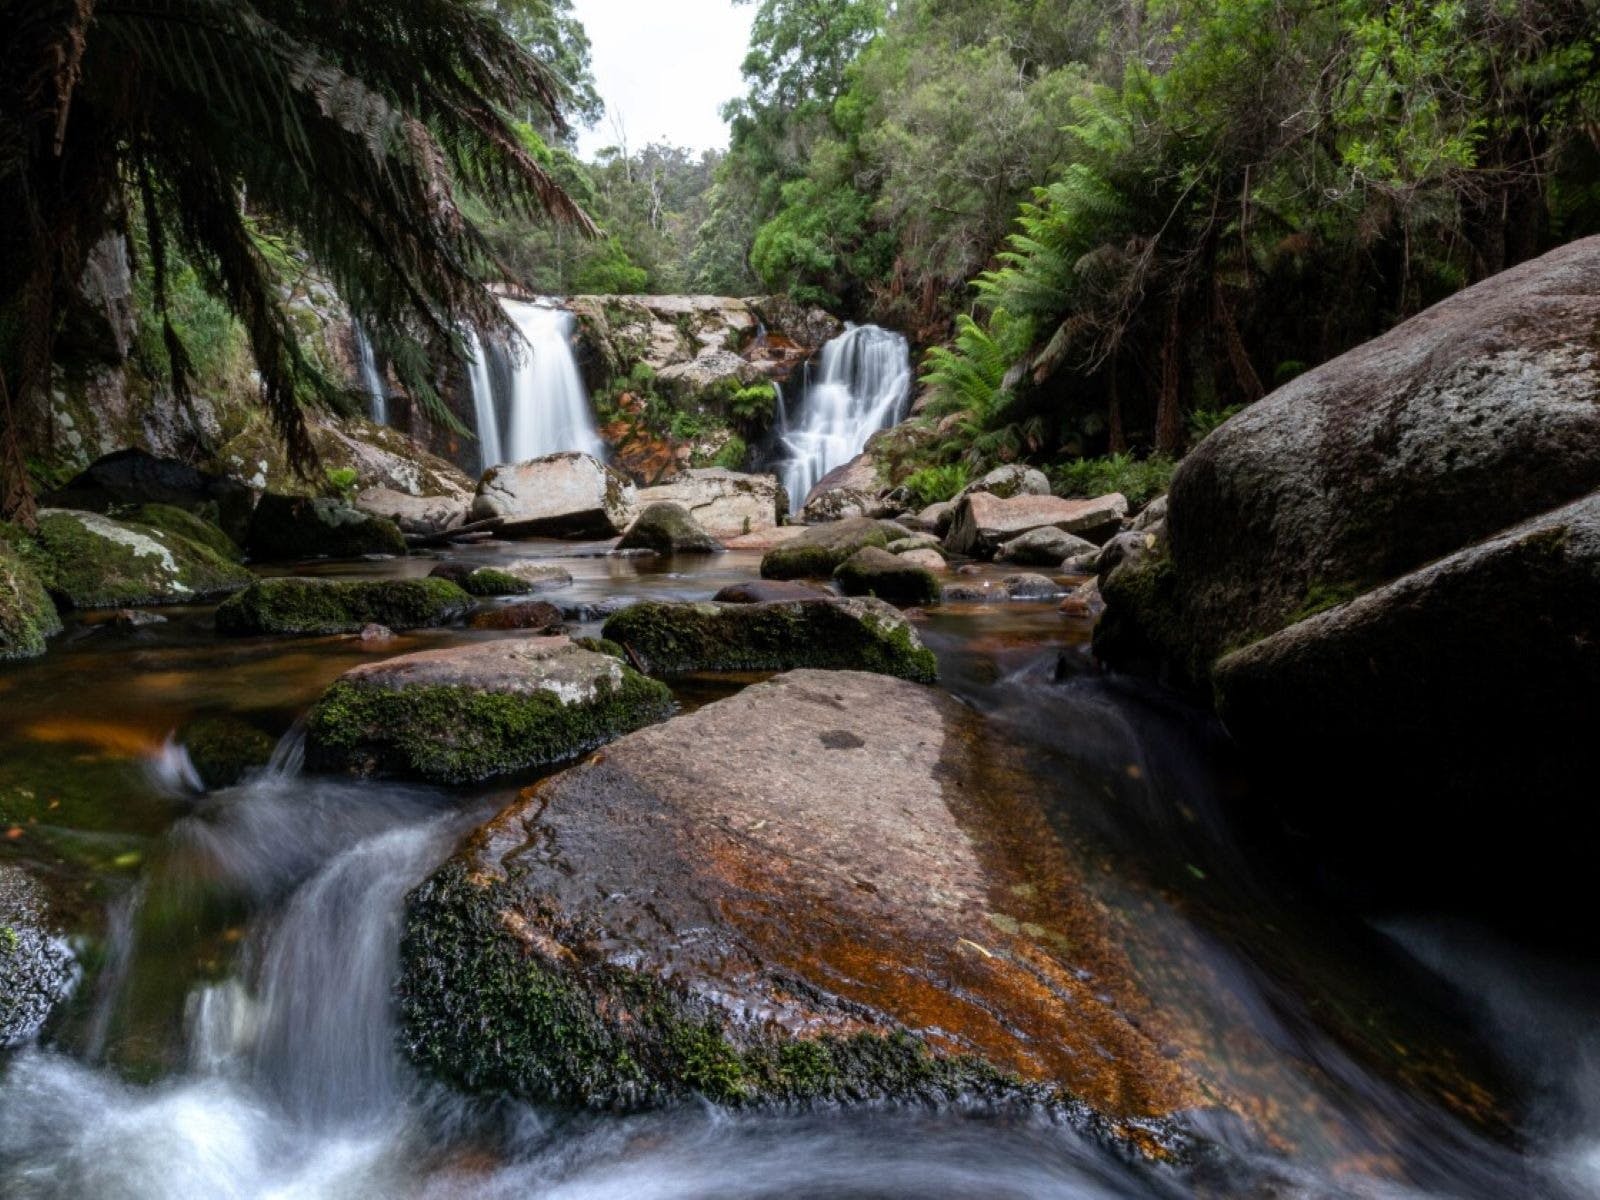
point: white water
(371, 378)
(546, 409)
(863, 385)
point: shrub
(1140, 480)
(932, 485)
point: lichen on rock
(92, 561)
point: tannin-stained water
(234, 1033)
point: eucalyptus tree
(352, 128)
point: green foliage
(754, 405)
(1203, 421)
(342, 480)
(934, 485)
(1140, 480)
(733, 456)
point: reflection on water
(234, 1036)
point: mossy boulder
(323, 606)
(223, 748)
(472, 713)
(857, 634)
(818, 552)
(136, 478)
(812, 891)
(27, 615)
(171, 519)
(292, 528)
(874, 572)
(668, 528)
(92, 561)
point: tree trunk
(1169, 413)
(1118, 438)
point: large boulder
(324, 606)
(812, 891)
(37, 968)
(846, 491)
(1048, 547)
(91, 561)
(982, 521)
(1464, 421)
(874, 572)
(818, 551)
(859, 634)
(668, 528)
(1011, 480)
(128, 478)
(420, 515)
(471, 713)
(294, 528)
(27, 615)
(726, 504)
(567, 495)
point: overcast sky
(664, 68)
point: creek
(233, 1033)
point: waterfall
(371, 377)
(536, 386)
(863, 386)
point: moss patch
(460, 734)
(322, 606)
(27, 616)
(875, 572)
(488, 1012)
(185, 524)
(91, 561)
(673, 639)
(222, 749)
(487, 581)
(821, 550)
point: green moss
(27, 615)
(1320, 597)
(322, 606)
(601, 646)
(733, 455)
(486, 581)
(879, 573)
(674, 639)
(819, 552)
(459, 734)
(90, 563)
(487, 1013)
(185, 524)
(222, 749)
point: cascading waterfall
(535, 386)
(371, 378)
(863, 386)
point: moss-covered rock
(291, 528)
(874, 572)
(170, 519)
(472, 713)
(532, 616)
(27, 615)
(222, 749)
(93, 561)
(323, 606)
(668, 528)
(857, 634)
(818, 552)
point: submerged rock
(812, 891)
(567, 495)
(982, 522)
(92, 561)
(817, 552)
(874, 572)
(28, 617)
(222, 749)
(37, 969)
(668, 528)
(532, 616)
(292, 528)
(507, 579)
(324, 606)
(857, 634)
(726, 504)
(759, 591)
(472, 713)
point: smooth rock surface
(666, 527)
(424, 515)
(760, 591)
(874, 572)
(817, 552)
(567, 495)
(1044, 548)
(982, 522)
(726, 504)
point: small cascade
(529, 400)
(862, 386)
(371, 377)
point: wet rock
(1151, 515)
(422, 515)
(1048, 547)
(840, 504)
(27, 615)
(726, 504)
(136, 618)
(668, 528)
(567, 495)
(513, 579)
(874, 572)
(532, 616)
(1014, 479)
(294, 528)
(324, 606)
(375, 635)
(130, 478)
(223, 748)
(1084, 601)
(982, 521)
(1030, 587)
(812, 891)
(927, 559)
(596, 610)
(918, 541)
(832, 634)
(91, 561)
(1082, 564)
(936, 518)
(472, 713)
(817, 552)
(37, 969)
(762, 591)
(970, 593)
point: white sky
(664, 69)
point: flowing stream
(234, 1033)
(862, 385)
(529, 400)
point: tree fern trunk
(1169, 415)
